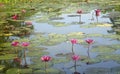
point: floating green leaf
(103, 49)
(107, 57)
(97, 70)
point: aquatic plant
(75, 58)
(97, 13)
(80, 12)
(15, 44)
(15, 17)
(89, 41)
(18, 61)
(46, 59)
(25, 44)
(73, 41)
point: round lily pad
(97, 70)
(103, 49)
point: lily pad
(13, 71)
(103, 49)
(58, 24)
(113, 36)
(7, 56)
(91, 61)
(92, 25)
(60, 60)
(5, 44)
(115, 46)
(26, 71)
(49, 71)
(77, 35)
(94, 35)
(97, 70)
(2, 68)
(107, 57)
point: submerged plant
(46, 59)
(73, 41)
(89, 41)
(25, 44)
(75, 58)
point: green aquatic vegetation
(7, 56)
(37, 53)
(2, 67)
(49, 71)
(77, 35)
(3, 45)
(94, 35)
(107, 57)
(113, 36)
(58, 24)
(97, 70)
(92, 25)
(91, 61)
(103, 49)
(13, 71)
(37, 64)
(42, 19)
(26, 71)
(115, 46)
(18, 71)
(60, 60)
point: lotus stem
(80, 19)
(45, 68)
(75, 66)
(72, 48)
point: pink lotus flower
(15, 17)
(97, 12)
(89, 41)
(28, 22)
(75, 57)
(15, 43)
(74, 41)
(25, 44)
(45, 58)
(79, 11)
(23, 11)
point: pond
(52, 36)
(102, 51)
